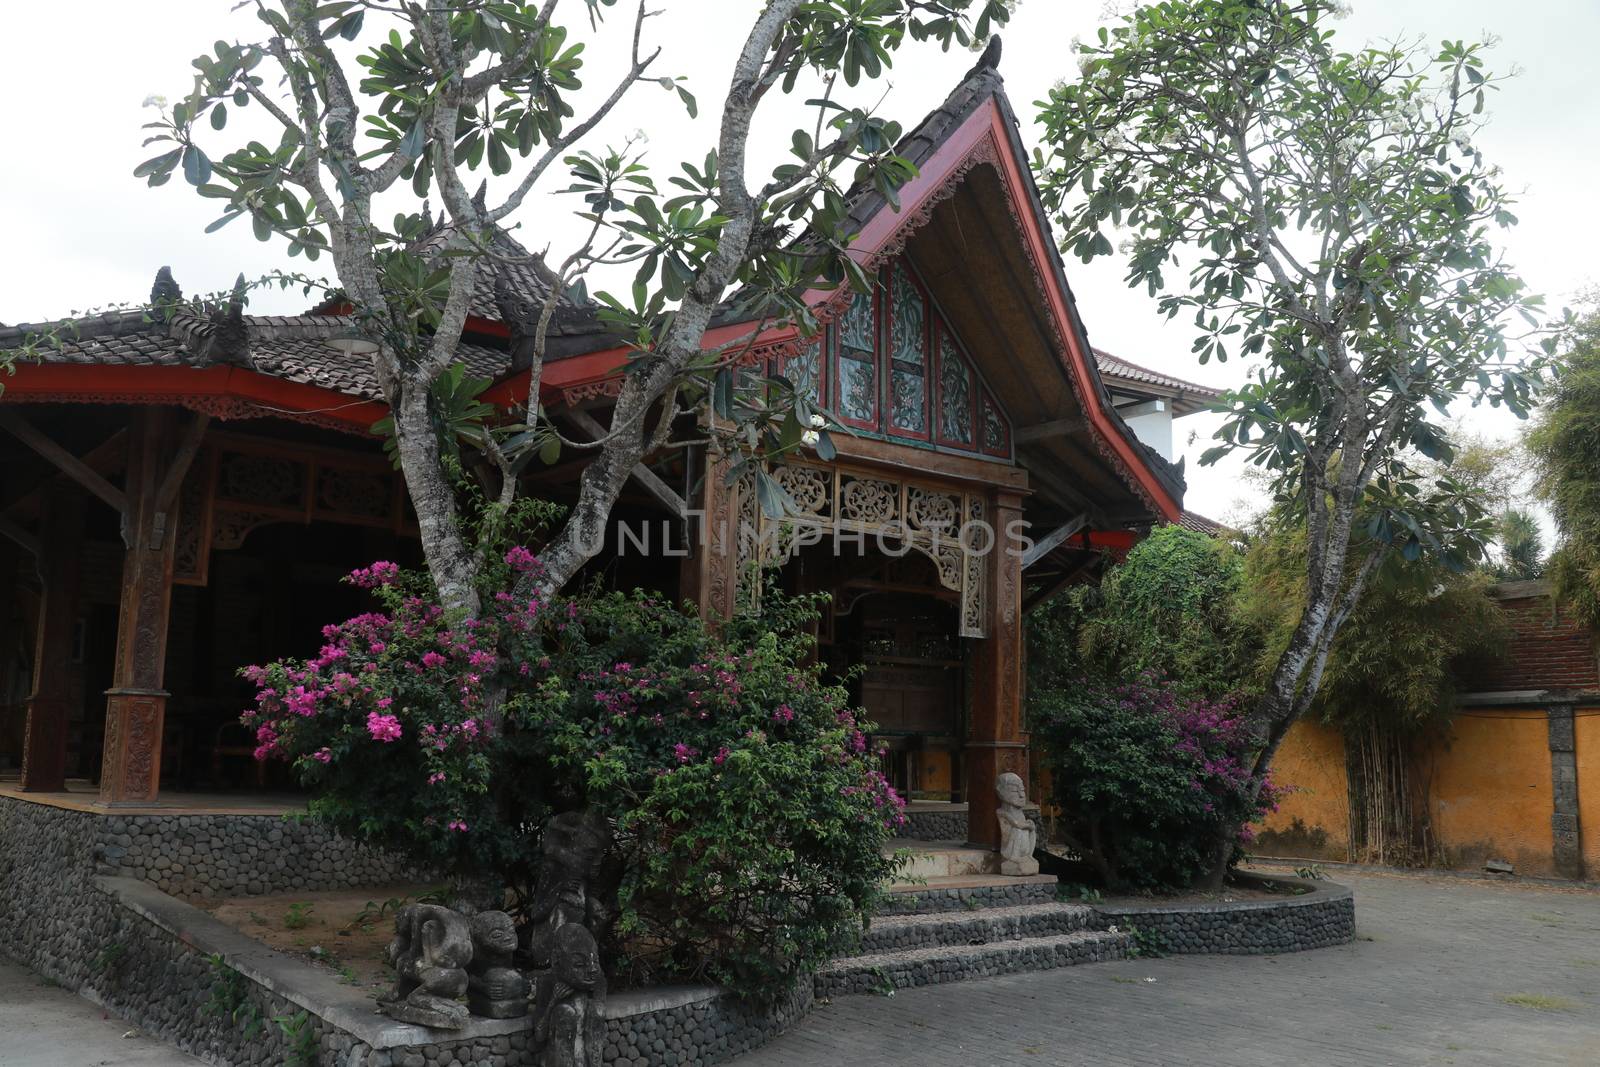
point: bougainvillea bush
(749, 814)
(1146, 780)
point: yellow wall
(1586, 724)
(1313, 820)
(1489, 789)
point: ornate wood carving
(906, 512)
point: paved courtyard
(43, 1025)
(1443, 971)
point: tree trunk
(450, 561)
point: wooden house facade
(185, 491)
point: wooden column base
(44, 748)
(985, 762)
(131, 771)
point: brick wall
(1549, 649)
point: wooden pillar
(44, 748)
(710, 573)
(995, 743)
(136, 704)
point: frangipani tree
(1329, 213)
(444, 90)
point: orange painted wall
(1313, 820)
(1489, 792)
(1586, 731)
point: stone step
(967, 893)
(984, 926)
(945, 859)
(881, 972)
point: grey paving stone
(1434, 978)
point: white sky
(84, 232)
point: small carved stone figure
(575, 844)
(1017, 835)
(430, 951)
(495, 990)
(568, 1031)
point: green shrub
(1146, 782)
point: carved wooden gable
(889, 365)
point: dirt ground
(344, 932)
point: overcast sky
(84, 232)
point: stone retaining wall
(934, 826)
(1324, 915)
(70, 910)
(234, 855)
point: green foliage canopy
(1565, 443)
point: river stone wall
(1324, 915)
(101, 922)
(236, 855)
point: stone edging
(676, 1024)
(1322, 916)
(120, 941)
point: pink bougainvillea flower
(436, 777)
(457, 825)
(322, 755)
(383, 728)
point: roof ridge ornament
(230, 338)
(165, 295)
(990, 59)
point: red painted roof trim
(88, 383)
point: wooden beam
(641, 474)
(1143, 407)
(188, 448)
(1039, 431)
(1067, 577)
(16, 532)
(71, 465)
(1047, 544)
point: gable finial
(165, 294)
(990, 60)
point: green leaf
(196, 167)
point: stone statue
(568, 1029)
(1017, 835)
(575, 845)
(431, 948)
(495, 990)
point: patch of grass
(1583, 961)
(298, 917)
(1385, 1026)
(1124, 979)
(1548, 920)
(1538, 1001)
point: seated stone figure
(1017, 835)
(495, 990)
(430, 951)
(568, 1029)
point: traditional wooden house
(181, 494)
